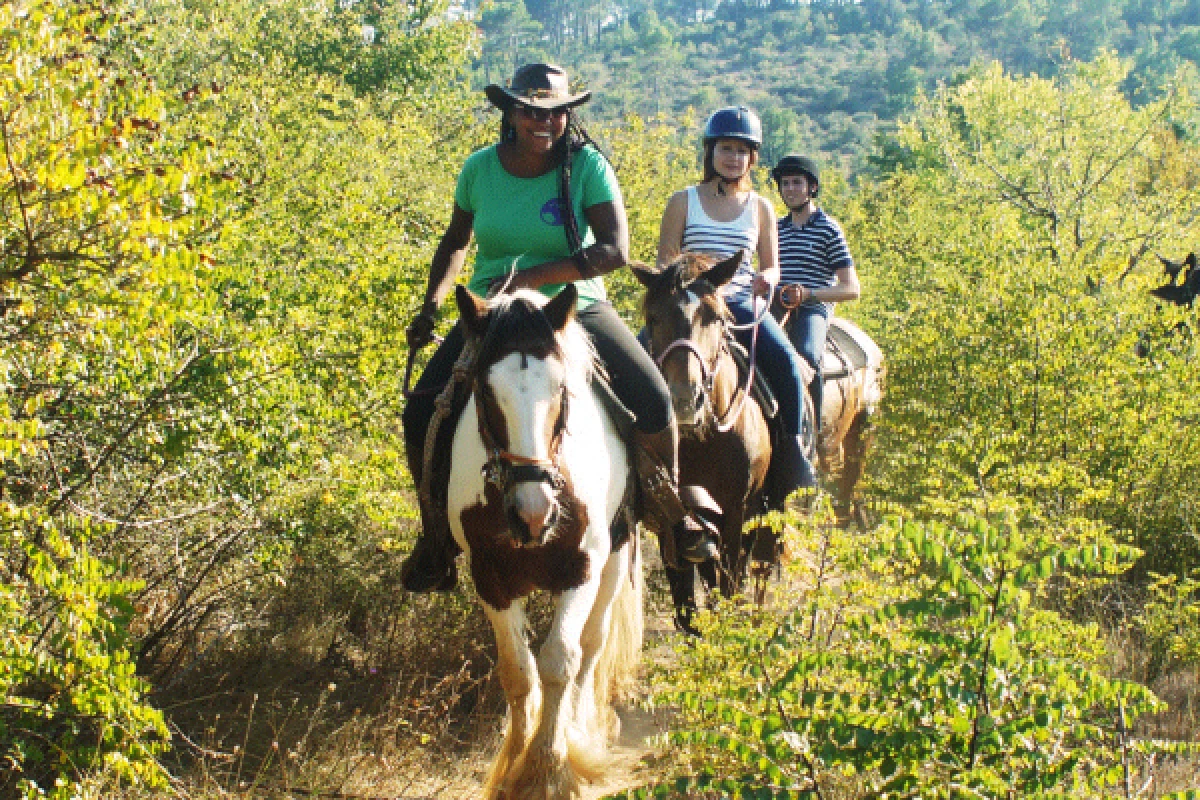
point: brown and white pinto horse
(537, 479)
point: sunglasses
(540, 114)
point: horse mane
(516, 324)
(683, 271)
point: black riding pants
(635, 379)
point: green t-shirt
(519, 218)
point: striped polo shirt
(703, 234)
(811, 254)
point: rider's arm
(448, 259)
(670, 232)
(611, 251)
(768, 247)
(844, 290)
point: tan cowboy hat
(537, 85)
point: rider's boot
(816, 390)
(430, 566)
(791, 469)
(691, 536)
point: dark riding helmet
(797, 165)
(735, 122)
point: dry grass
(405, 706)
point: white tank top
(703, 234)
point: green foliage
(72, 708)
(106, 211)
(339, 185)
(849, 70)
(202, 343)
(1006, 268)
(1171, 621)
(368, 45)
(932, 674)
(652, 161)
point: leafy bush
(1006, 270)
(1171, 622)
(932, 674)
(74, 719)
(106, 212)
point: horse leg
(592, 717)
(546, 773)
(519, 679)
(764, 555)
(733, 551)
(708, 572)
(854, 458)
(683, 596)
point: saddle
(434, 489)
(844, 352)
(761, 390)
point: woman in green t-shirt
(513, 197)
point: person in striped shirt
(816, 269)
(721, 216)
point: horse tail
(616, 670)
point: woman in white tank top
(719, 216)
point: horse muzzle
(532, 511)
(688, 402)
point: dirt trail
(638, 727)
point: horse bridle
(504, 469)
(708, 375)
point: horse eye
(651, 320)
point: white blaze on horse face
(527, 391)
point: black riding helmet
(734, 122)
(797, 165)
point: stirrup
(693, 542)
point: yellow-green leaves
(953, 687)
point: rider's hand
(420, 330)
(791, 295)
(761, 286)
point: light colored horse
(538, 475)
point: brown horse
(725, 441)
(725, 438)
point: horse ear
(473, 309)
(561, 310)
(722, 273)
(645, 275)
(1190, 261)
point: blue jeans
(807, 328)
(778, 360)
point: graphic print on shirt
(552, 212)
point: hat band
(539, 94)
